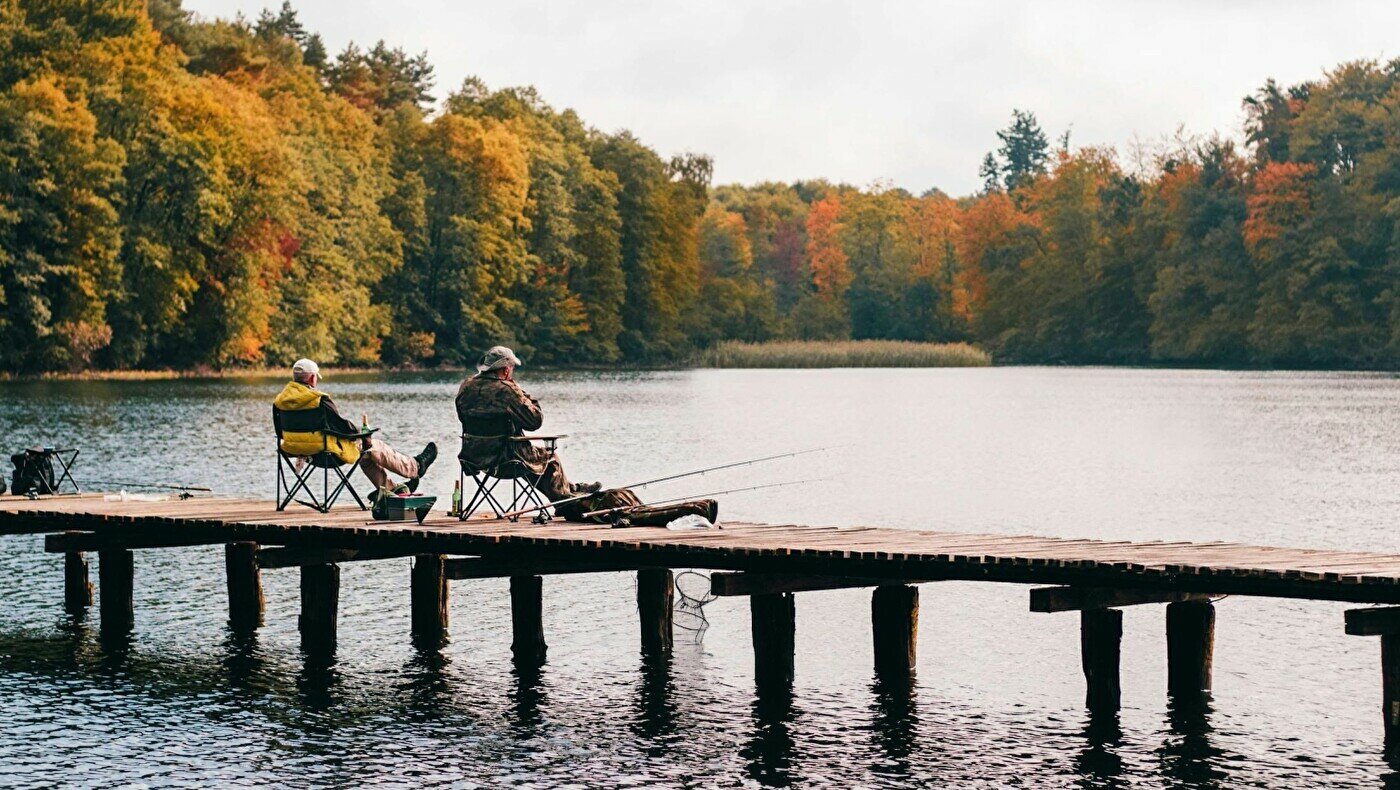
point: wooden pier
(767, 563)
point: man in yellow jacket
(305, 410)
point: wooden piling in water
(246, 605)
(1100, 638)
(320, 600)
(1390, 687)
(115, 575)
(774, 627)
(428, 593)
(77, 586)
(656, 592)
(1385, 623)
(894, 621)
(1190, 648)
(527, 619)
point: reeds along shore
(843, 354)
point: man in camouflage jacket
(492, 407)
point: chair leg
(489, 496)
(353, 492)
(478, 497)
(488, 493)
(282, 485)
(303, 483)
(344, 485)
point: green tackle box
(398, 507)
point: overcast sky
(909, 92)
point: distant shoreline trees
(180, 192)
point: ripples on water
(1280, 458)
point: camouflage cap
(496, 358)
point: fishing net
(692, 595)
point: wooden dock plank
(864, 551)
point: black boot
(425, 459)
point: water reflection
(115, 648)
(769, 751)
(243, 663)
(655, 718)
(1099, 763)
(1189, 755)
(895, 721)
(429, 693)
(527, 699)
(1391, 779)
(318, 682)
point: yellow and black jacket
(309, 423)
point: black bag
(33, 473)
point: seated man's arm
(334, 420)
(525, 411)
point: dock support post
(894, 620)
(115, 574)
(527, 619)
(77, 588)
(428, 599)
(320, 598)
(656, 592)
(1383, 621)
(774, 627)
(1190, 648)
(245, 594)
(1100, 636)
(1390, 687)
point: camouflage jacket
(491, 409)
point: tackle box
(402, 507)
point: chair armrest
(355, 435)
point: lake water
(1284, 458)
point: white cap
(305, 368)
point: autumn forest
(189, 193)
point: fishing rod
(607, 511)
(581, 497)
(165, 486)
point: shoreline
(334, 373)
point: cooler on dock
(402, 507)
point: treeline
(1286, 253)
(179, 192)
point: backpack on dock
(33, 473)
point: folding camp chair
(295, 473)
(35, 470)
(523, 482)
